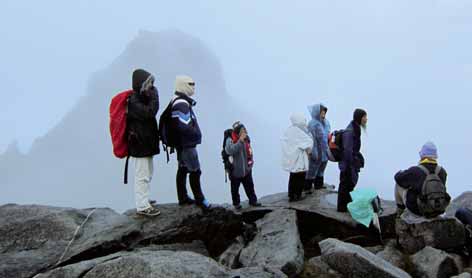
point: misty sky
(409, 63)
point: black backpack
(166, 132)
(226, 161)
(433, 199)
(335, 143)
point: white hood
(295, 143)
(299, 120)
(182, 85)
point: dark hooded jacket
(142, 129)
(352, 158)
(413, 179)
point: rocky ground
(280, 239)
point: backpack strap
(126, 170)
(424, 169)
(438, 170)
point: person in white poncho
(296, 147)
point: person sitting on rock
(296, 147)
(464, 215)
(421, 189)
(319, 128)
(238, 147)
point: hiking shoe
(149, 212)
(205, 205)
(152, 202)
(187, 201)
(237, 207)
(256, 204)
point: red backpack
(118, 111)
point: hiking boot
(152, 202)
(237, 207)
(187, 201)
(256, 204)
(205, 205)
(149, 212)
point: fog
(408, 64)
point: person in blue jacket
(352, 160)
(188, 136)
(319, 129)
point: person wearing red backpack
(238, 147)
(143, 136)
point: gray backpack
(433, 199)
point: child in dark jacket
(238, 147)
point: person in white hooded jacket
(296, 146)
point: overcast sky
(409, 63)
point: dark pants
(194, 185)
(296, 183)
(348, 181)
(317, 183)
(248, 185)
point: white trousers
(144, 169)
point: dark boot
(308, 188)
(319, 183)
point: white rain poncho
(295, 143)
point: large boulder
(321, 207)
(434, 263)
(277, 245)
(463, 201)
(463, 275)
(36, 238)
(230, 257)
(354, 261)
(316, 267)
(257, 272)
(415, 233)
(196, 246)
(392, 255)
(217, 228)
(158, 264)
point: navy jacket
(413, 179)
(184, 122)
(352, 158)
(143, 133)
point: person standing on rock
(297, 144)
(238, 147)
(319, 128)
(143, 136)
(188, 136)
(352, 160)
(410, 183)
